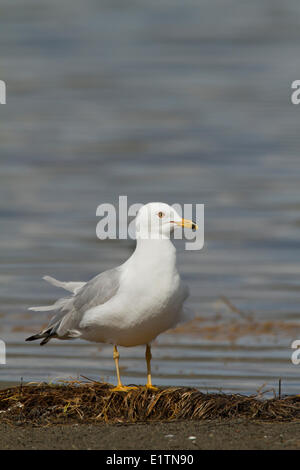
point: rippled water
(159, 100)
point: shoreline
(209, 435)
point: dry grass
(46, 404)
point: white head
(157, 220)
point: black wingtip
(45, 341)
(32, 338)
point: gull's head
(158, 220)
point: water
(157, 100)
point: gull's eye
(160, 215)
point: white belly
(148, 302)
(135, 318)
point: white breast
(149, 300)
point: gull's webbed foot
(123, 388)
(151, 387)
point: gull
(131, 304)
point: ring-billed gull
(129, 305)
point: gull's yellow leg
(116, 356)
(148, 359)
(120, 387)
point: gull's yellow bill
(188, 224)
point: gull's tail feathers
(73, 287)
(60, 303)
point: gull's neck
(151, 252)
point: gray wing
(96, 292)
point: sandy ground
(234, 434)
